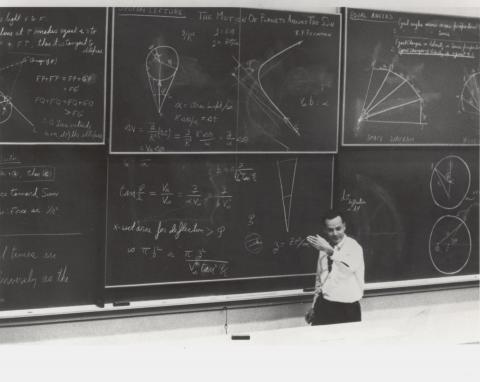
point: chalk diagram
(7, 107)
(6, 110)
(161, 65)
(391, 99)
(450, 244)
(470, 95)
(259, 101)
(286, 173)
(253, 243)
(450, 182)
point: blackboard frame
(214, 285)
(345, 12)
(105, 97)
(217, 301)
(339, 100)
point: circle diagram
(450, 245)
(470, 96)
(162, 63)
(253, 243)
(5, 108)
(450, 182)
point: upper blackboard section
(415, 212)
(52, 75)
(411, 79)
(52, 214)
(224, 80)
(223, 218)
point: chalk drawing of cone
(161, 66)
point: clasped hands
(320, 243)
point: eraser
(241, 337)
(121, 303)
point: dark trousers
(330, 312)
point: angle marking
(388, 95)
(391, 108)
(379, 89)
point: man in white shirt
(340, 274)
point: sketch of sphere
(450, 182)
(253, 243)
(162, 63)
(450, 245)
(5, 108)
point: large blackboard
(52, 214)
(411, 79)
(414, 211)
(52, 75)
(224, 80)
(208, 220)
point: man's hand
(309, 316)
(320, 243)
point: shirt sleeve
(318, 279)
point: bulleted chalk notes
(52, 75)
(411, 79)
(224, 80)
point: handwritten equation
(208, 80)
(53, 70)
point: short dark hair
(332, 214)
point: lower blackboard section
(52, 222)
(202, 220)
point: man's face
(335, 230)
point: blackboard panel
(289, 79)
(411, 79)
(52, 214)
(224, 80)
(200, 220)
(52, 75)
(415, 212)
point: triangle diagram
(286, 174)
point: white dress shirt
(345, 282)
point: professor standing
(340, 274)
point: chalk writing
(399, 96)
(352, 203)
(184, 219)
(199, 85)
(52, 70)
(48, 228)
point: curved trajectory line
(284, 117)
(8, 100)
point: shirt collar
(340, 245)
